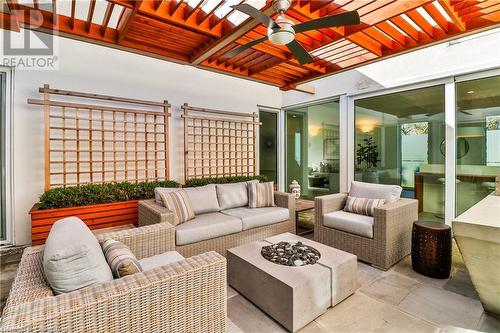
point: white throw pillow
(203, 199)
(73, 258)
(390, 193)
(232, 195)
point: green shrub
(223, 180)
(94, 194)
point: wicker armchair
(151, 213)
(391, 231)
(185, 296)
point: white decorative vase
(295, 189)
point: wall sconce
(314, 130)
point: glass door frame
(342, 99)
(7, 153)
(279, 142)
(450, 129)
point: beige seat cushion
(73, 258)
(203, 199)
(357, 224)
(160, 260)
(206, 226)
(257, 217)
(390, 193)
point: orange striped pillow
(362, 206)
(178, 203)
(260, 194)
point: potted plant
(367, 160)
(98, 205)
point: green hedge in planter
(223, 180)
(93, 194)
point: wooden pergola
(201, 32)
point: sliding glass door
(478, 140)
(312, 148)
(399, 139)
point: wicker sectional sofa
(151, 301)
(218, 229)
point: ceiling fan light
(281, 36)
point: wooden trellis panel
(87, 143)
(219, 143)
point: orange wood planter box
(95, 216)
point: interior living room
(250, 166)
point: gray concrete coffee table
(293, 296)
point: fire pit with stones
(291, 254)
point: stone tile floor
(398, 300)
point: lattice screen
(87, 143)
(219, 143)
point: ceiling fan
(282, 30)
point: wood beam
(73, 10)
(212, 48)
(173, 6)
(126, 20)
(306, 88)
(156, 4)
(177, 18)
(9, 22)
(209, 14)
(90, 14)
(367, 43)
(191, 11)
(453, 14)
(106, 18)
(54, 12)
(437, 16)
(40, 20)
(263, 66)
(12, 5)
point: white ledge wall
(468, 54)
(90, 68)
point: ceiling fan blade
(256, 14)
(244, 47)
(347, 18)
(299, 52)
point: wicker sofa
(264, 225)
(383, 241)
(184, 296)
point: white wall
(468, 54)
(89, 68)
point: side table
(431, 249)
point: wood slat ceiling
(201, 32)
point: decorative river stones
(291, 254)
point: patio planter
(95, 216)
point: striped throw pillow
(362, 206)
(178, 203)
(120, 259)
(260, 194)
